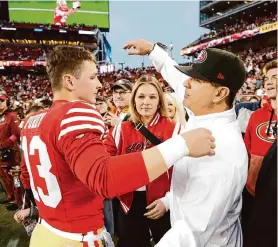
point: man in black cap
(205, 196)
(121, 91)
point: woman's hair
(180, 112)
(146, 80)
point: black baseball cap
(124, 84)
(218, 66)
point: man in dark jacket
(262, 228)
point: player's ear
(68, 82)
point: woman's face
(146, 100)
(171, 109)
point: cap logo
(202, 57)
(220, 76)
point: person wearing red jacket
(70, 171)
(9, 135)
(260, 134)
(147, 107)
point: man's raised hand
(138, 47)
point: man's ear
(68, 82)
(220, 94)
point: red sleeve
(24, 175)
(109, 142)
(105, 175)
(79, 140)
(248, 134)
(15, 130)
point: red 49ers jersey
(70, 171)
(63, 200)
(59, 16)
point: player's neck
(61, 95)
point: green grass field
(10, 231)
(45, 16)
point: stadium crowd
(24, 88)
(239, 26)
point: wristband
(173, 150)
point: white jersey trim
(82, 118)
(80, 127)
(83, 110)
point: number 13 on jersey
(54, 193)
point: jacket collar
(225, 117)
(155, 119)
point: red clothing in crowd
(258, 139)
(9, 126)
(9, 135)
(124, 139)
(75, 172)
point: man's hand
(139, 47)
(111, 119)
(200, 142)
(157, 210)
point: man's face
(198, 96)
(87, 85)
(101, 106)
(121, 97)
(271, 83)
(3, 104)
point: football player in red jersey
(70, 171)
(62, 12)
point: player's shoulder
(79, 107)
(79, 116)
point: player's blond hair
(143, 80)
(66, 59)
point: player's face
(271, 83)
(87, 85)
(146, 100)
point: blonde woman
(175, 109)
(143, 209)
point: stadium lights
(8, 28)
(219, 13)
